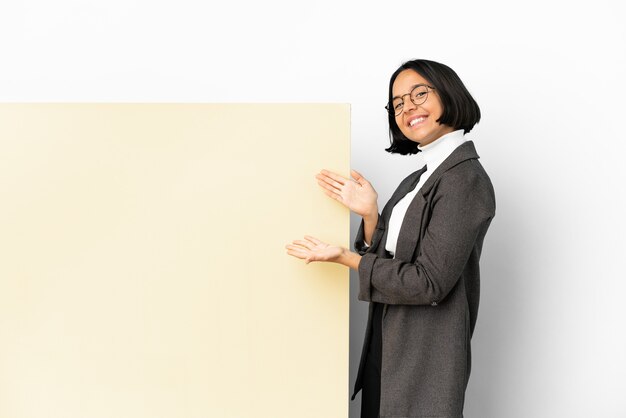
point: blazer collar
(465, 151)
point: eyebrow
(412, 87)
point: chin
(416, 136)
(418, 140)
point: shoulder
(466, 181)
(469, 172)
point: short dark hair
(460, 110)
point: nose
(407, 104)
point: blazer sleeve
(462, 209)
(359, 242)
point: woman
(418, 260)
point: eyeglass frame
(389, 105)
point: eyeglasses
(418, 95)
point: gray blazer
(430, 290)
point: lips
(415, 120)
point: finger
(331, 192)
(355, 174)
(298, 247)
(313, 240)
(334, 176)
(333, 195)
(328, 187)
(294, 247)
(337, 186)
(305, 244)
(297, 251)
(297, 254)
(358, 177)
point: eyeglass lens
(418, 96)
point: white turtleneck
(434, 154)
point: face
(418, 123)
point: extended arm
(359, 196)
(312, 249)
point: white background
(550, 80)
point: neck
(437, 150)
(445, 130)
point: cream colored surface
(143, 270)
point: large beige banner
(143, 270)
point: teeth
(415, 121)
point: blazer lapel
(411, 228)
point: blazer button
(433, 304)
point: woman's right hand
(358, 195)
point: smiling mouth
(417, 121)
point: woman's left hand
(312, 249)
